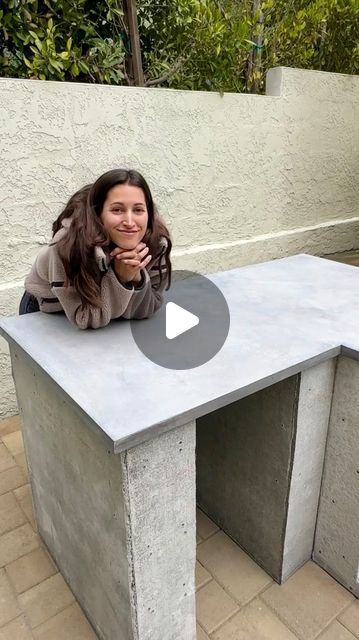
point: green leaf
(83, 66)
(27, 62)
(74, 69)
(58, 66)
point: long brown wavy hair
(76, 247)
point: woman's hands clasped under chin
(128, 263)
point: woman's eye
(138, 210)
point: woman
(109, 256)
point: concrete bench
(117, 446)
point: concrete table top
(286, 315)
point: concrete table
(110, 440)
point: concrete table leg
(121, 527)
(259, 468)
(336, 546)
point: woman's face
(125, 216)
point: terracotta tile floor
(236, 600)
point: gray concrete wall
(337, 535)
(244, 461)
(260, 464)
(121, 528)
(238, 178)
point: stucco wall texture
(238, 178)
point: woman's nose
(128, 218)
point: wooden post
(135, 66)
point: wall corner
(274, 81)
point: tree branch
(166, 76)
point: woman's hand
(128, 264)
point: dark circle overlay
(198, 295)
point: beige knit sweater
(47, 277)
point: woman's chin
(128, 243)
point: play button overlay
(191, 326)
(178, 320)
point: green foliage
(229, 45)
(320, 34)
(221, 45)
(62, 40)
(195, 44)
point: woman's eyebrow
(138, 204)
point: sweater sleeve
(47, 283)
(147, 299)
(115, 299)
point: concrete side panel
(121, 528)
(77, 486)
(244, 461)
(315, 395)
(337, 535)
(161, 510)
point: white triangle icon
(178, 320)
